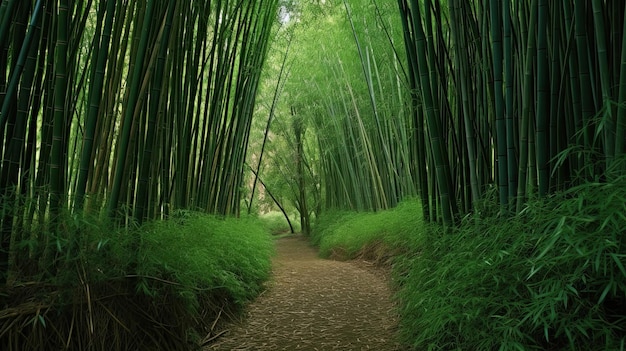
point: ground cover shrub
(376, 236)
(162, 286)
(325, 224)
(209, 253)
(552, 278)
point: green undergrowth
(276, 223)
(166, 285)
(207, 252)
(373, 236)
(552, 277)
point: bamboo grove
(342, 107)
(131, 108)
(465, 101)
(527, 96)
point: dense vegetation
(550, 278)
(118, 118)
(167, 292)
(478, 146)
(510, 130)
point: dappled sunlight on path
(316, 304)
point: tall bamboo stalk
(76, 137)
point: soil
(316, 304)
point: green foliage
(160, 286)
(551, 278)
(68, 248)
(343, 93)
(202, 252)
(345, 235)
(276, 223)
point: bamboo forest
(312, 175)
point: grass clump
(208, 253)
(163, 286)
(373, 236)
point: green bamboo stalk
(527, 86)
(501, 134)
(57, 180)
(15, 163)
(608, 119)
(95, 96)
(509, 99)
(558, 123)
(279, 86)
(6, 11)
(442, 168)
(620, 137)
(575, 137)
(380, 141)
(187, 113)
(280, 206)
(344, 155)
(347, 129)
(43, 170)
(543, 97)
(461, 56)
(254, 27)
(147, 159)
(16, 115)
(17, 72)
(419, 147)
(586, 84)
(122, 148)
(13, 170)
(301, 203)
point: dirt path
(315, 304)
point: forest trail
(316, 304)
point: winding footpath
(316, 304)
